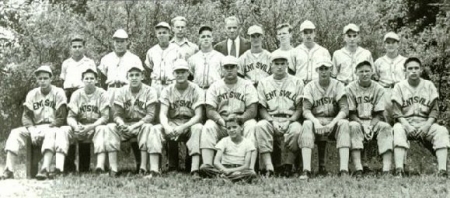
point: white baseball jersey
(280, 96)
(206, 67)
(390, 71)
(115, 68)
(255, 67)
(135, 107)
(161, 61)
(231, 100)
(44, 106)
(188, 48)
(345, 62)
(307, 59)
(71, 71)
(325, 102)
(292, 57)
(88, 108)
(365, 100)
(182, 104)
(415, 101)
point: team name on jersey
(89, 108)
(283, 93)
(415, 100)
(47, 103)
(258, 65)
(364, 99)
(138, 103)
(181, 103)
(324, 101)
(232, 94)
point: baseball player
(389, 70)
(415, 107)
(366, 106)
(87, 119)
(179, 31)
(181, 115)
(308, 53)
(234, 45)
(234, 155)
(134, 111)
(205, 64)
(280, 108)
(160, 58)
(229, 98)
(325, 108)
(44, 113)
(254, 64)
(284, 36)
(345, 59)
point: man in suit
(234, 45)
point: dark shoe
(58, 173)
(142, 172)
(172, 169)
(358, 174)
(99, 171)
(7, 174)
(306, 174)
(367, 171)
(153, 174)
(443, 174)
(269, 173)
(113, 174)
(343, 173)
(195, 175)
(42, 174)
(262, 172)
(399, 173)
(322, 171)
(287, 172)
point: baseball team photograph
(155, 99)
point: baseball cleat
(7, 174)
(443, 174)
(399, 173)
(195, 175)
(57, 173)
(42, 175)
(153, 174)
(343, 173)
(113, 174)
(322, 171)
(306, 174)
(142, 172)
(99, 171)
(358, 174)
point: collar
(81, 60)
(184, 41)
(235, 40)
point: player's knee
(343, 123)
(146, 127)
(308, 125)
(196, 128)
(101, 129)
(354, 125)
(295, 127)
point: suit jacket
(222, 46)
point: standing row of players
(229, 103)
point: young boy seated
(233, 157)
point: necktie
(233, 49)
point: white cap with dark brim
(307, 25)
(163, 25)
(391, 35)
(352, 27)
(120, 34)
(180, 64)
(43, 68)
(229, 60)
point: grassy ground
(180, 185)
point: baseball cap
(120, 33)
(352, 27)
(324, 62)
(178, 18)
(76, 37)
(180, 64)
(254, 29)
(204, 27)
(391, 35)
(307, 24)
(43, 68)
(138, 67)
(229, 60)
(278, 55)
(163, 25)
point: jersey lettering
(364, 99)
(324, 101)
(89, 108)
(138, 103)
(416, 99)
(181, 103)
(47, 103)
(232, 94)
(260, 66)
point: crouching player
(416, 109)
(366, 106)
(134, 111)
(233, 157)
(88, 115)
(180, 115)
(44, 113)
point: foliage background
(43, 27)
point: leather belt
(183, 117)
(281, 115)
(389, 85)
(116, 85)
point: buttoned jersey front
(161, 61)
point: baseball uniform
(41, 111)
(188, 48)
(226, 101)
(365, 101)
(71, 73)
(131, 109)
(206, 68)
(181, 108)
(281, 98)
(87, 109)
(161, 62)
(345, 62)
(416, 105)
(254, 67)
(325, 107)
(306, 61)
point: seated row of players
(324, 103)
